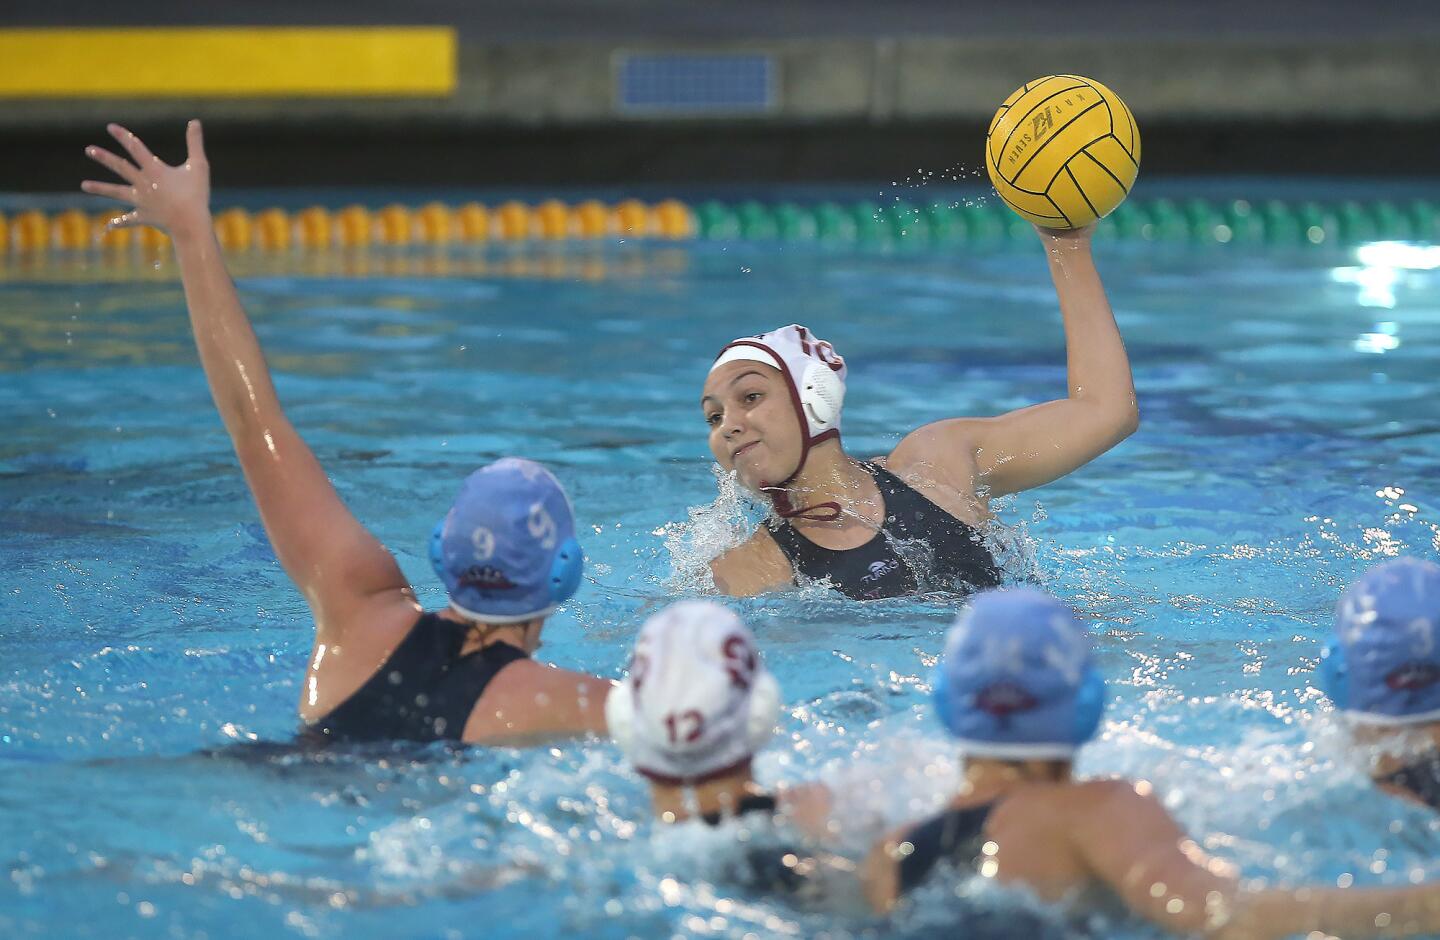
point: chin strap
(780, 497)
(820, 512)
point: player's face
(754, 429)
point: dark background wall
(863, 90)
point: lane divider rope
(1194, 221)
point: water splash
(708, 532)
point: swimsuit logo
(486, 578)
(879, 569)
(1412, 677)
(1004, 699)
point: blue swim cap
(506, 550)
(1016, 679)
(1382, 666)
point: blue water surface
(1290, 438)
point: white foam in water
(709, 532)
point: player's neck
(720, 795)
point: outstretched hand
(173, 198)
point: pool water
(1290, 438)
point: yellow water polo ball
(1063, 151)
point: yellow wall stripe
(228, 62)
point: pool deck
(538, 86)
(551, 62)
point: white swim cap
(813, 370)
(698, 703)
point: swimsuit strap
(866, 571)
(954, 555)
(900, 497)
(796, 546)
(460, 690)
(952, 835)
(887, 481)
(751, 803)
(769, 869)
(792, 543)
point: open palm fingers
(116, 191)
(134, 146)
(194, 143)
(121, 167)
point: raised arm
(340, 567)
(1032, 446)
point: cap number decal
(1422, 631)
(822, 349)
(674, 722)
(483, 541)
(740, 661)
(1067, 653)
(638, 664)
(541, 526)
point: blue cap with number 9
(506, 550)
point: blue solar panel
(677, 82)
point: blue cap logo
(1004, 699)
(507, 551)
(485, 578)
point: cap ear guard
(1089, 706)
(822, 393)
(620, 718)
(437, 552)
(764, 710)
(1335, 674)
(565, 571)
(940, 695)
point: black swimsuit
(750, 803)
(955, 835)
(425, 691)
(773, 870)
(948, 552)
(1421, 778)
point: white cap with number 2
(697, 702)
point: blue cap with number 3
(506, 550)
(1017, 679)
(1382, 665)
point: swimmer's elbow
(1128, 421)
(1120, 420)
